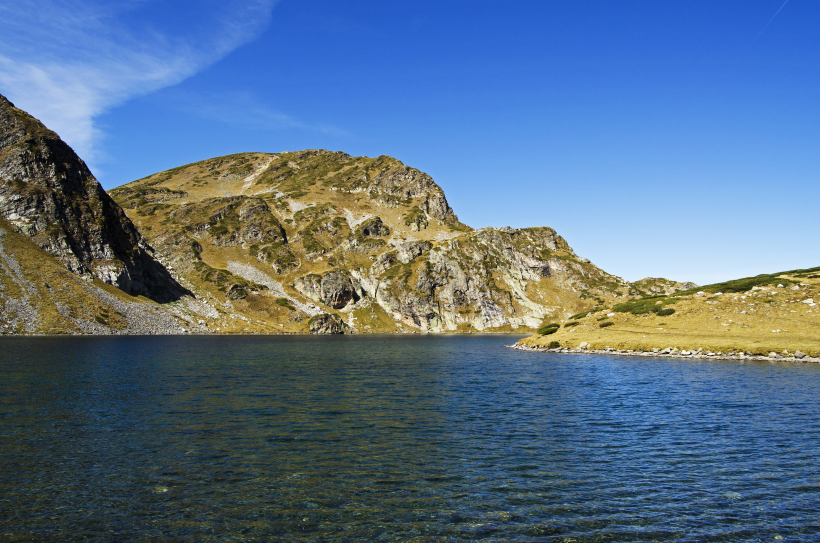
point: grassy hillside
(768, 313)
(281, 238)
(38, 295)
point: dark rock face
(236, 292)
(373, 228)
(337, 289)
(48, 194)
(327, 324)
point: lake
(399, 438)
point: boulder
(337, 289)
(799, 355)
(327, 324)
(407, 252)
(334, 289)
(373, 228)
(237, 292)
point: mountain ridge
(357, 235)
(48, 193)
(294, 242)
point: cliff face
(48, 194)
(281, 239)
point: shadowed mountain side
(48, 193)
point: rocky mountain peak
(48, 193)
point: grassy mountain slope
(283, 238)
(767, 313)
(39, 295)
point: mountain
(770, 313)
(48, 194)
(325, 241)
(309, 241)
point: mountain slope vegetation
(769, 313)
(370, 240)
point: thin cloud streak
(68, 61)
(770, 20)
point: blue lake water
(398, 438)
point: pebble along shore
(797, 356)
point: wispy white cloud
(68, 61)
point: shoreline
(653, 354)
(200, 334)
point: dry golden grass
(761, 320)
(50, 283)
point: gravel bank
(659, 354)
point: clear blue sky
(677, 138)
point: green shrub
(571, 323)
(665, 312)
(745, 284)
(554, 345)
(311, 245)
(579, 315)
(605, 324)
(284, 302)
(549, 329)
(643, 306)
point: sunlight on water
(398, 439)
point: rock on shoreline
(669, 354)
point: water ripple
(398, 439)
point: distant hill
(778, 312)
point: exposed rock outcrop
(337, 289)
(373, 228)
(48, 194)
(327, 324)
(334, 289)
(412, 249)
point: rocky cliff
(48, 194)
(281, 239)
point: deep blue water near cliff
(396, 438)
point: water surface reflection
(398, 438)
